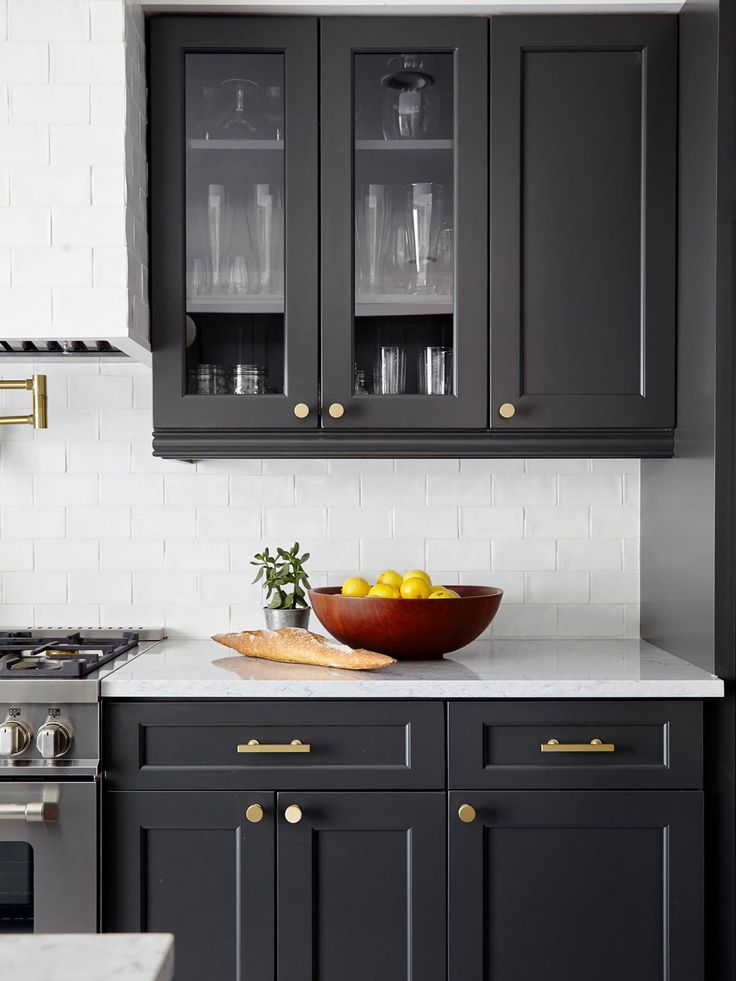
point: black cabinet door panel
(192, 865)
(576, 886)
(583, 182)
(234, 222)
(420, 188)
(361, 888)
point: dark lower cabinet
(356, 887)
(361, 888)
(576, 886)
(192, 864)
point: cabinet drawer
(506, 744)
(205, 745)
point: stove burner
(32, 655)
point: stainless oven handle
(35, 811)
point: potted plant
(285, 580)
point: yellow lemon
(453, 593)
(439, 592)
(384, 590)
(417, 574)
(391, 578)
(355, 586)
(415, 588)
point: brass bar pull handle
(295, 746)
(37, 386)
(594, 746)
(35, 811)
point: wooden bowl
(407, 629)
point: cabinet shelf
(235, 304)
(235, 144)
(403, 145)
(402, 305)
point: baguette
(297, 646)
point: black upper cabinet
(583, 212)
(234, 132)
(404, 144)
(332, 277)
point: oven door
(48, 857)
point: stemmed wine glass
(243, 120)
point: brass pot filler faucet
(38, 417)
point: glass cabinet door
(404, 310)
(234, 223)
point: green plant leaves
(279, 572)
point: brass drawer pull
(594, 746)
(295, 746)
(466, 813)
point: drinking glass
(424, 206)
(238, 278)
(243, 120)
(372, 210)
(198, 277)
(267, 222)
(434, 371)
(218, 220)
(444, 273)
(210, 379)
(273, 110)
(410, 105)
(389, 377)
(210, 100)
(249, 379)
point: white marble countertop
(87, 957)
(485, 669)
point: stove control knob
(15, 737)
(54, 739)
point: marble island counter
(556, 668)
(88, 957)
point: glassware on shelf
(444, 272)
(238, 277)
(389, 377)
(210, 106)
(218, 222)
(424, 206)
(209, 379)
(198, 277)
(249, 379)
(434, 371)
(372, 216)
(243, 120)
(268, 236)
(410, 104)
(273, 110)
(398, 264)
(362, 385)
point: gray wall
(678, 495)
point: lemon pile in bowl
(415, 584)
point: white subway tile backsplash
(43, 265)
(50, 104)
(25, 226)
(93, 144)
(25, 309)
(95, 63)
(24, 144)
(94, 529)
(523, 554)
(48, 20)
(47, 184)
(90, 225)
(106, 20)
(590, 555)
(512, 490)
(463, 489)
(24, 62)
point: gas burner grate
(30, 654)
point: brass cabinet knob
(301, 410)
(293, 814)
(466, 813)
(507, 410)
(337, 410)
(254, 813)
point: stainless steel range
(49, 773)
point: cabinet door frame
(420, 815)
(171, 38)
(342, 38)
(656, 38)
(127, 815)
(678, 813)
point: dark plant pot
(276, 619)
